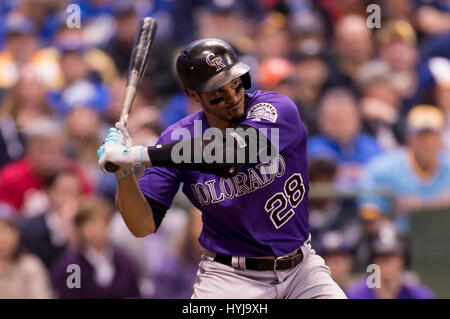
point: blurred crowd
(375, 100)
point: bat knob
(111, 167)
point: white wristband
(139, 156)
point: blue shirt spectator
(416, 177)
(341, 138)
(362, 149)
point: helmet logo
(214, 61)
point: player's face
(226, 103)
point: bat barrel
(141, 49)
(136, 70)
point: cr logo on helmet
(216, 62)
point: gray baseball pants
(308, 280)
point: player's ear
(193, 95)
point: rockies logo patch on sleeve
(263, 111)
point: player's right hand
(119, 135)
(117, 139)
(115, 149)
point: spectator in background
(389, 250)
(178, 274)
(20, 44)
(23, 48)
(353, 45)
(24, 103)
(43, 14)
(48, 234)
(397, 42)
(79, 61)
(22, 275)
(327, 211)
(381, 108)
(440, 70)
(412, 178)
(312, 73)
(72, 51)
(307, 32)
(339, 253)
(121, 44)
(273, 73)
(339, 9)
(117, 88)
(144, 125)
(433, 17)
(226, 20)
(26, 100)
(82, 105)
(341, 138)
(107, 272)
(22, 181)
(152, 253)
(159, 80)
(98, 20)
(399, 9)
(272, 40)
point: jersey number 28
(294, 190)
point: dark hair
(50, 180)
(320, 166)
(398, 243)
(20, 249)
(90, 207)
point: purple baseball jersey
(261, 211)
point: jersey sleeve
(277, 118)
(160, 183)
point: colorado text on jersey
(243, 183)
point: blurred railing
(430, 244)
(429, 237)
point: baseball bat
(136, 70)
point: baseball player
(255, 212)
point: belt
(252, 263)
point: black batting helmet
(207, 64)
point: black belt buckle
(278, 262)
(290, 258)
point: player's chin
(235, 112)
(236, 115)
